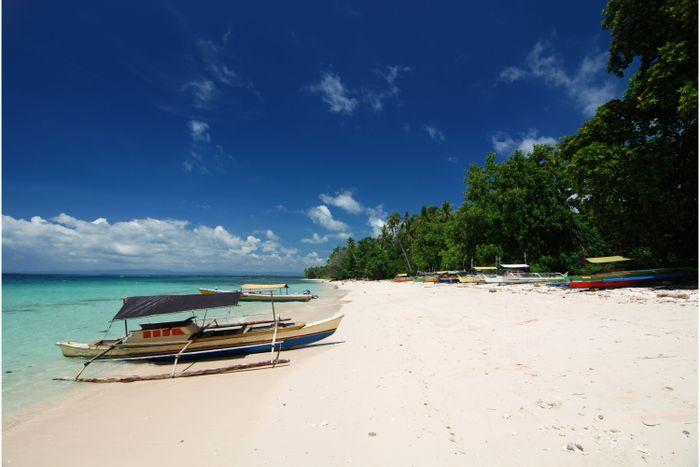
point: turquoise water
(38, 310)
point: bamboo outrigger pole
(208, 371)
(177, 357)
(85, 365)
(274, 333)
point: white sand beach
(417, 374)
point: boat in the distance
(402, 277)
(526, 278)
(519, 274)
(265, 293)
(191, 340)
(626, 278)
(471, 279)
(448, 277)
(640, 278)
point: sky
(257, 136)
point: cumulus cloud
(315, 239)
(504, 143)
(590, 86)
(343, 200)
(65, 243)
(199, 131)
(270, 235)
(322, 216)
(434, 133)
(376, 219)
(334, 93)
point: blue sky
(256, 135)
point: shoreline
(311, 311)
(419, 374)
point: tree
(634, 165)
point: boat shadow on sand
(236, 357)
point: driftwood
(208, 371)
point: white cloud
(315, 239)
(202, 92)
(203, 156)
(452, 159)
(504, 143)
(342, 99)
(226, 36)
(590, 86)
(199, 131)
(213, 74)
(65, 243)
(343, 200)
(389, 74)
(270, 235)
(334, 93)
(512, 73)
(376, 219)
(434, 133)
(212, 55)
(323, 217)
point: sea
(39, 310)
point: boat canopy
(402, 274)
(263, 287)
(485, 268)
(139, 307)
(607, 259)
(515, 266)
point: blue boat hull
(241, 351)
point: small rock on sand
(372, 433)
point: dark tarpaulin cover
(137, 307)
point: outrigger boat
(471, 279)
(624, 278)
(403, 277)
(265, 293)
(188, 340)
(448, 277)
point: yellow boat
(471, 279)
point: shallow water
(39, 310)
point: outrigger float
(187, 340)
(265, 293)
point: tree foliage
(626, 183)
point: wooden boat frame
(206, 341)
